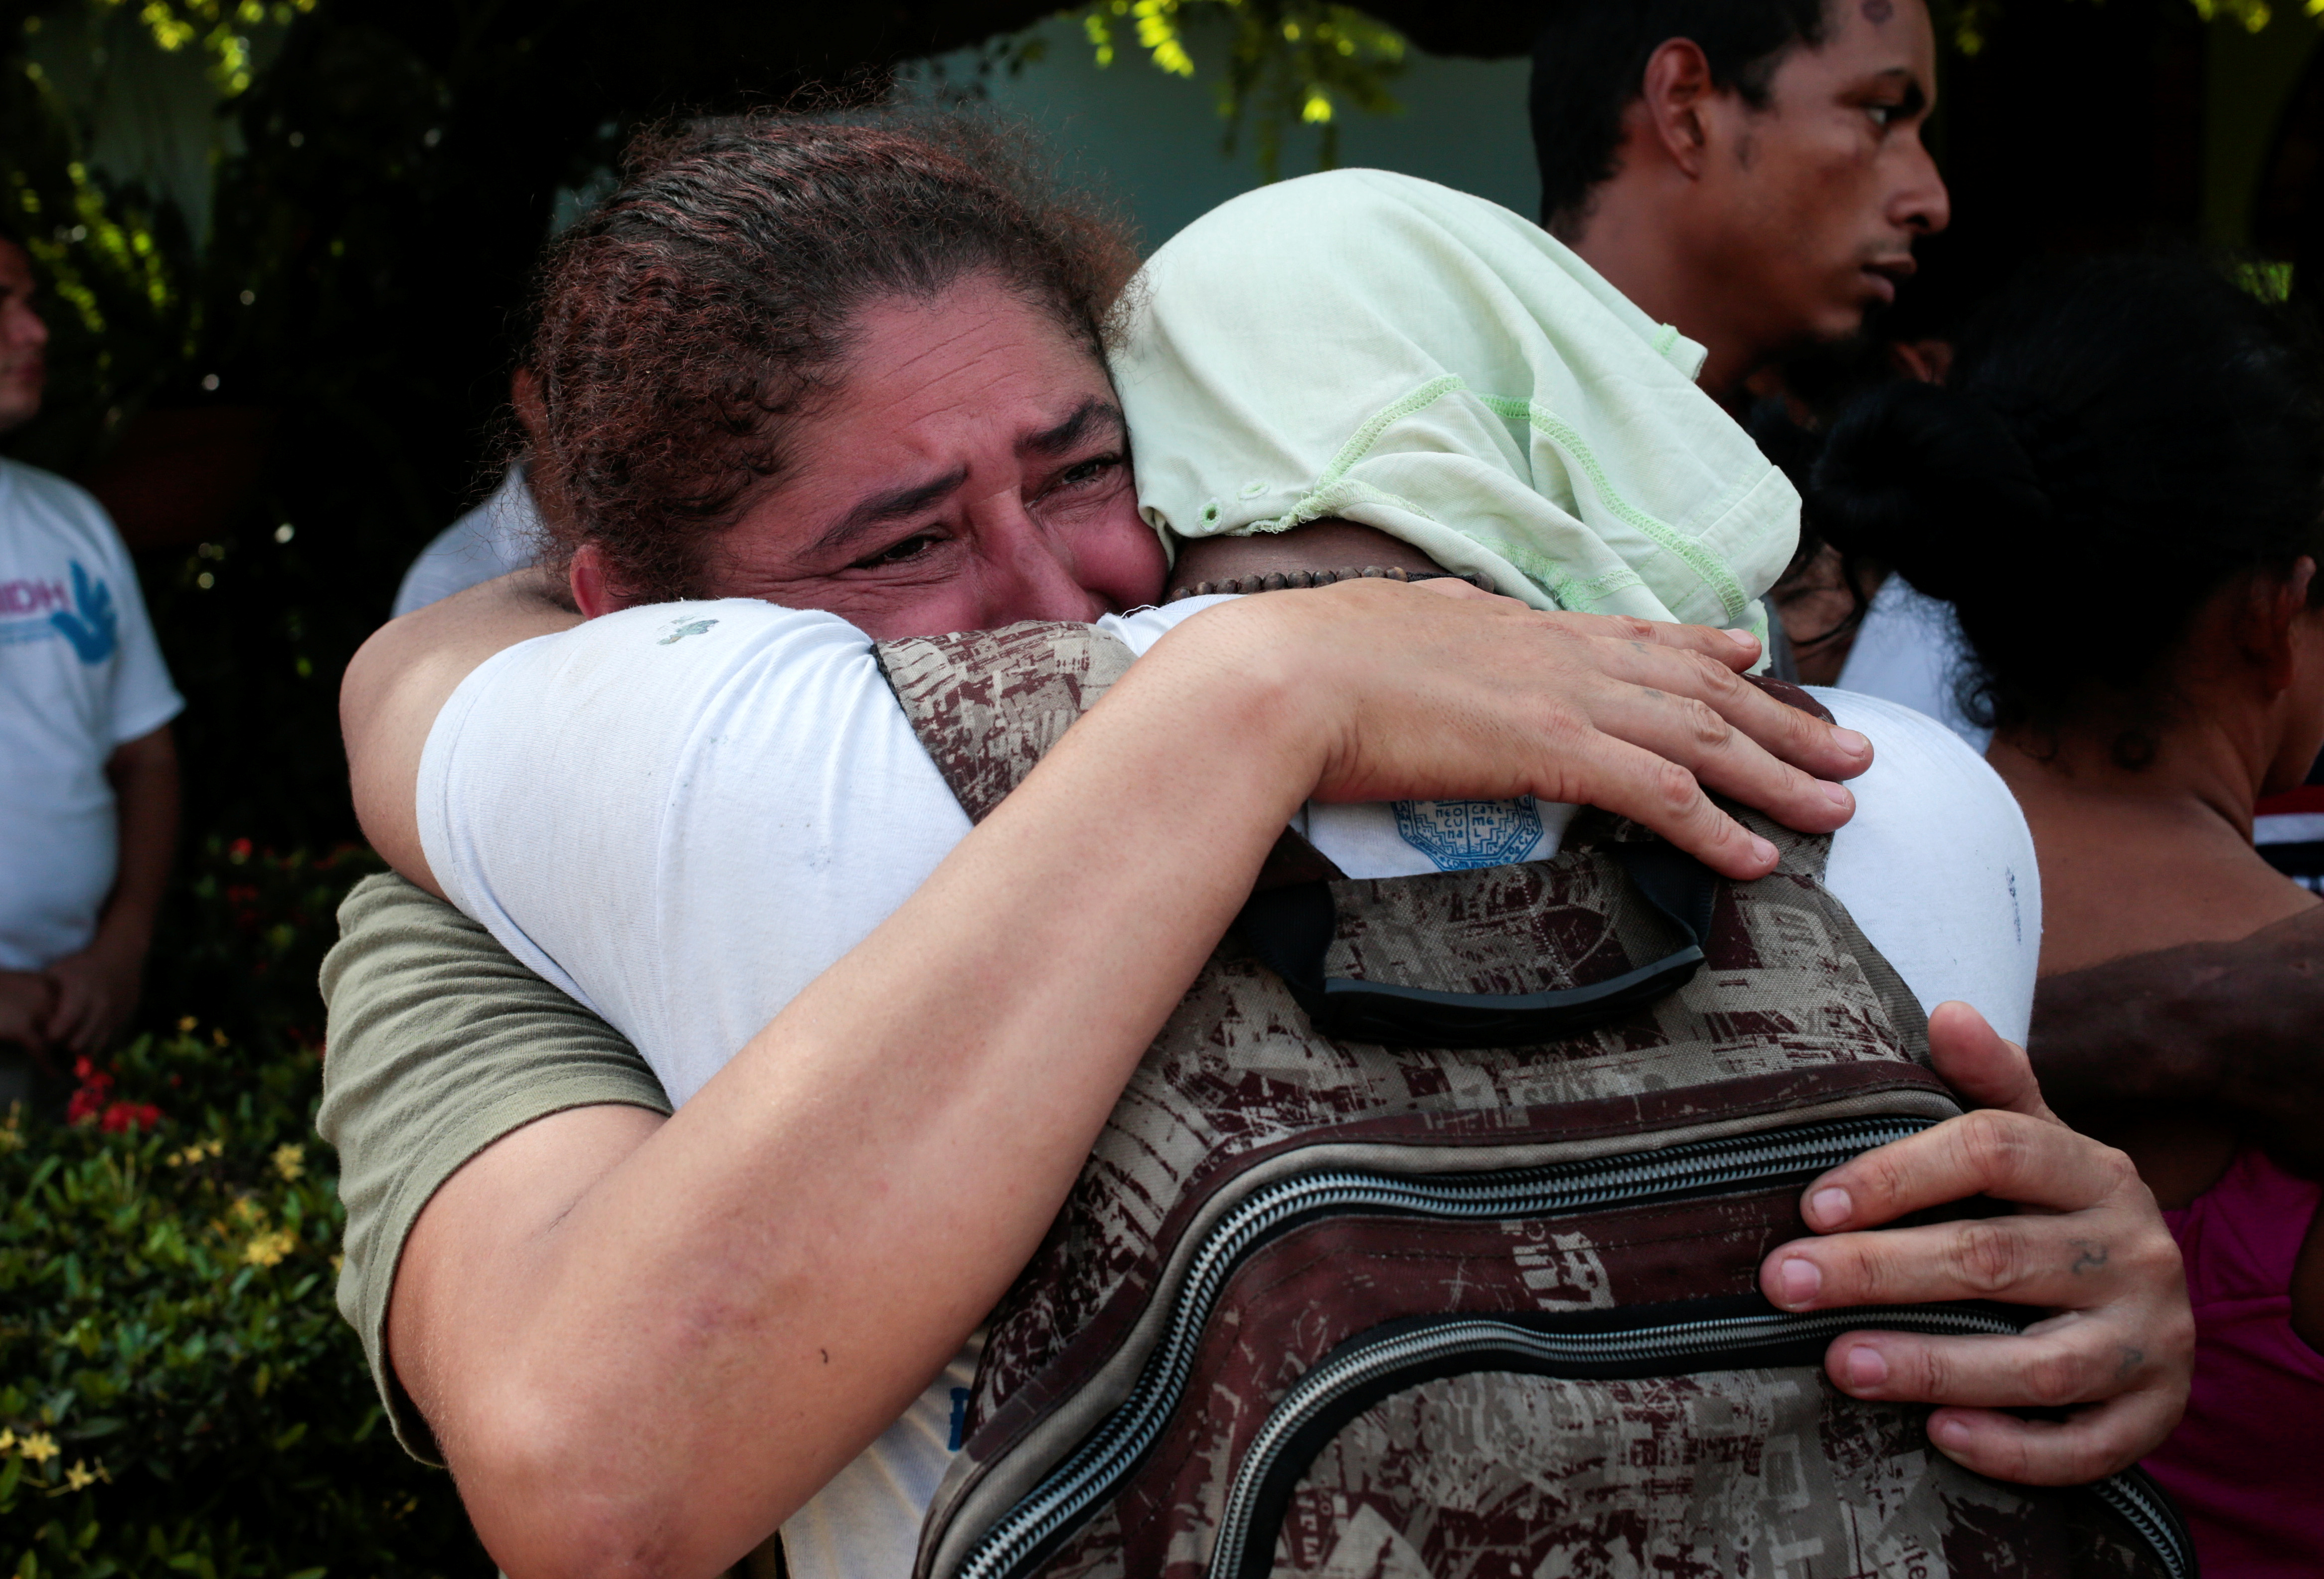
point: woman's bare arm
(2229, 1027)
(401, 678)
(1669, 717)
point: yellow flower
(77, 1478)
(186, 1026)
(289, 1160)
(217, 1038)
(39, 1447)
(7, 1440)
(266, 1250)
(249, 1211)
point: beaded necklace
(1278, 580)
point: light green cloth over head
(1385, 350)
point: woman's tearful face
(971, 471)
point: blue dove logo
(94, 627)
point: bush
(177, 1389)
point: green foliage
(2269, 282)
(222, 30)
(242, 945)
(1290, 62)
(1293, 62)
(177, 1390)
(2251, 15)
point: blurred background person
(1642, 117)
(2121, 493)
(500, 535)
(88, 800)
(1749, 171)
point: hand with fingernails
(2087, 1243)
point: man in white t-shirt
(490, 540)
(88, 803)
(1909, 651)
(501, 534)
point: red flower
(96, 1085)
(238, 852)
(130, 1115)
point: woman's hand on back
(1438, 691)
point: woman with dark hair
(2120, 490)
(802, 367)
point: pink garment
(2246, 1466)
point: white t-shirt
(79, 674)
(492, 540)
(1909, 650)
(683, 814)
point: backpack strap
(990, 705)
(1291, 929)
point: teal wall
(1151, 141)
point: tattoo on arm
(2089, 1255)
(2131, 1359)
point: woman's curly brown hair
(685, 325)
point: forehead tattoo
(1877, 11)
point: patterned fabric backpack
(1425, 1240)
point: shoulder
(1342, 196)
(627, 731)
(704, 634)
(661, 672)
(411, 963)
(439, 1040)
(440, 1044)
(384, 912)
(63, 505)
(1926, 783)
(1910, 746)
(1938, 865)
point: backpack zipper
(1106, 1458)
(1666, 1347)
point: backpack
(1425, 1239)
